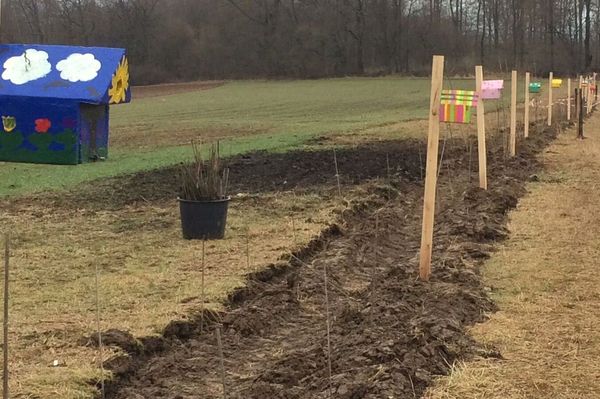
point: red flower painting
(42, 125)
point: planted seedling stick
(6, 298)
(389, 174)
(221, 361)
(248, 262)
(294, 229)
(337, 173)
(328, 327)
(387, 164)
(202, 298)
(100, 346)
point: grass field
(256, 115)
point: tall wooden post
(569, 99)
(437, 77)
(526, 115)
(583, 92)
(589, 100)
(513, 115)
(481, 144)
(550, 99)
(577, 105)
(581, 120)
(596, 86)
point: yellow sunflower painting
(120, 83)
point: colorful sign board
(535, 87)
(456, 106)
(491, 89)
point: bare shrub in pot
(203, 199)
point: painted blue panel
(82, 74)
(39, 130)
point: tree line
(179, 40)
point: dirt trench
(391, 334)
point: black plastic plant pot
(203, 220)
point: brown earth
(256, 173)
(390, 333)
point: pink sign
(491, 89)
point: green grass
(284, 115)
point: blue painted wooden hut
(54, 101)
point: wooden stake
(387, 164)
(596, 86)
(481, 144)
(569, 99)
(437, 77)
(326, 283)
(513, 115)
(6, 298)
(526, 115)
(577, 94)
(100, 346)
(581, 111)
(589, 100)
(221, 361)
(248, 247)
(202, 297)
(550, 98)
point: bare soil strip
(390, 335)
(545, 281)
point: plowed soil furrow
(390, 332)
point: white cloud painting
(29, 66)
(79, 67)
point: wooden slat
(437, 77)
(526, 114)
(481, 144)
(513, 115)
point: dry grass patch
(149, 275)
(545, 281)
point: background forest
(180, 40)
